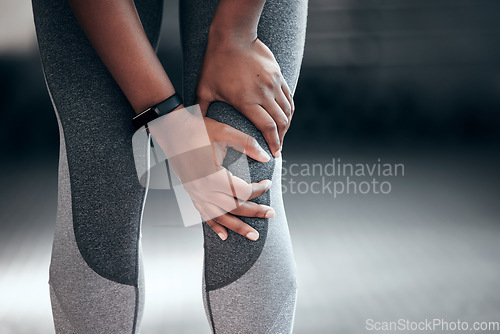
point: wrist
(145, 99)
(229, 37)
(165, 107)
(236, 21)
(180, 131)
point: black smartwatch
(162, 108)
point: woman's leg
(249, 286)
(95, 273)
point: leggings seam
(210, 314)
(136, 310)
(281, 309)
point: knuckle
(262, 212)
(239, 228)
(257, 209)
(251, 142)
(269, 83)
(277, 75)
(283, 124)
(270, 80)
(269, 126)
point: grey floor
(427, 250)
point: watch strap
(163, 108)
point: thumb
(204, 101)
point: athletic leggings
(96, 275)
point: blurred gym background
(415, 82)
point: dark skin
(254, 85)
(240, 70)
(114, 29)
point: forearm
(115, 30)
(237, 19)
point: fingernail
(221, 235)
(269, 183)
(265, 155)
(277, 154)
(252, 235)
(269, 214)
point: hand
(247, 76)
(196, 147)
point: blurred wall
(386, 71)
(421, 69)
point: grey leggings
(96, 275)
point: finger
(284, 103)
(240, 188)
(288, 93)
(246, 209)
(225, 182)
(260, 188)
(251, 209)
(244, 143)
(203, 98)
(279, 117)
(204, 104)
(266, 124)
(216, 227)
(232, 222)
